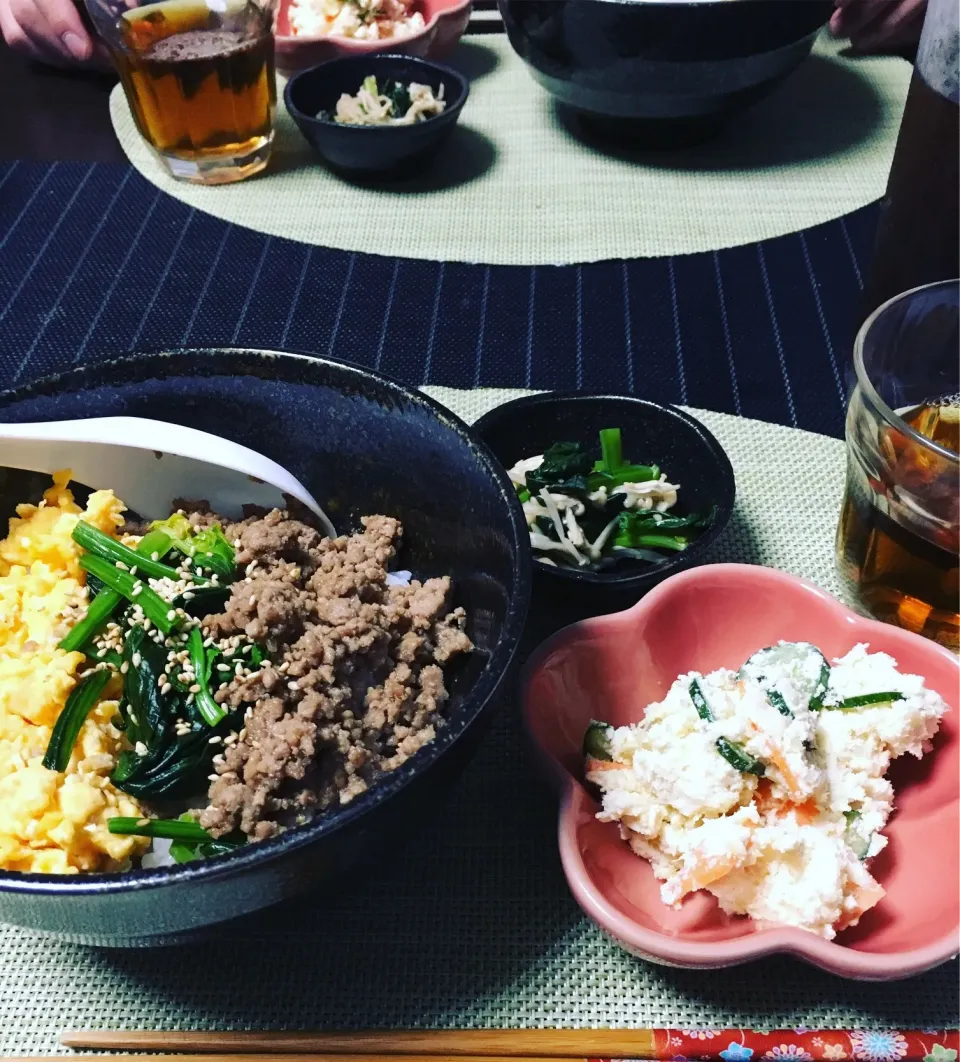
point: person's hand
(50, 31)
(877, 25)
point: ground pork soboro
(355, 684)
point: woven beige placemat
(474, 926)
(515, 188)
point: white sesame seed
(166, 688)
(123, 567)
(188, 595)
(136, 590)
(172, 615)
(133, 718)
(212, 777)
(124, 668)
(133, 570)
(195, 688)
(253, 599)
(136, 658)
(154, 556)
(215, 740)
(223, 667)
(293, 685)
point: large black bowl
(656, 67)
(652, 434)
(361, 444)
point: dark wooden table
(54, 115)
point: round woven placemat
(514, 187)
(475, 926)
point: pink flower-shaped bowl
(445, 21)
(611, 667)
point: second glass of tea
(899, 536)
(199, 78)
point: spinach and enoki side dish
(393, 103)
(591, 512)
(235, 652)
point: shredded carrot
(593, 764)
(867, 896)
(701, 877)
(789, 779)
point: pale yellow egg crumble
(49, 822)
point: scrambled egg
(54, 823)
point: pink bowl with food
(444, 24)
(715, 616)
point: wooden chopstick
(451, 1043)
(278, 1057)
(465, 1045)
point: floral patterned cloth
(802, 1045)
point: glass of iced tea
(899, 535)
(199, 78)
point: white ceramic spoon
(148, 463)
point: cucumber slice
(865, 700)
(856, 840)
(596, 740)
(738, 757)
(802, 663)
(700, 701)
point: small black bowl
(652, 433)
(372, 151)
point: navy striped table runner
(95, 261)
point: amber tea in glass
(899, 536)
(199, 78)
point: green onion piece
(611, 449)
(700, 701)
(869, 698)
(133, 589)
(94, 541)
(738, 758)
(172, 829)
(66, 730)
(777, 700)
(596, 740)
(523, 494)
(212, 712)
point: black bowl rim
(450, 113)
(488, 684)
(726, 491)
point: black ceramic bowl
(361, 444)
(652, 434)
(370, 151)
(659, 67)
